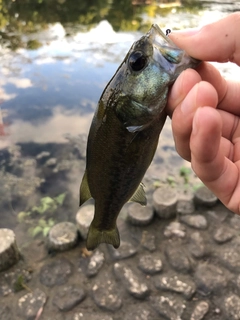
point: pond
(56, 58)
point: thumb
(218, 41)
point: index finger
(228, 90)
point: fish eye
(137, 61)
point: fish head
(152, 64)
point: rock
(150, 264)
(9, 254)
(88, 316)
(11, 281)
(51, 162)
(55, 273)
(200, 310)
(232, 307)
(175, 283)
(63, 236)
(30, 304)
(175, 229)
(203, 196)
(132, 283)
(197, 221)
(84, 218)
(106, 296)
(237, 282)
(6, 313)
(126, 250)
(43, 154)
(219, 213)
(68, 297)
(165, 202)
(217, 311)
(95, 263)
(135, 232)
(139, 215)
(55, 316)
(223, 234)
(148, 241)
(185, 207)
(5, 288)
(15, 279)
(235, 222)
(197, 245)
(178, 258)
(169, 307)
(209, 278)
(142, 314)
(229, 255)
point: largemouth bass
(125, 130)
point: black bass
(125, 129)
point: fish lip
(159, 39)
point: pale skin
(205, 109)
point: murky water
(56, 58)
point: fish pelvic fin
(96, 236)
(84, 193)
(139, 195)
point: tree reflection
(19, 17)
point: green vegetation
(29, 16)
(33, 44)
(47, 207)
(157, 184)
(197, 186)
(43, 227)
(185, 172)
(171, 181)
(20, 284)
(186, 179)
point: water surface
(56, 59)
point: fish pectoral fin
(134, 129)
(96, 236)
(85, 193)
(139, 195)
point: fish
(125, 130)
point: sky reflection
(39, 86)
(71, 72)
(54, 89)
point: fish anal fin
(85, 193)
(96, 236)
(139, 196)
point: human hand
(205, 109)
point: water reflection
(55, 62)
(53, 129)
(65, 71)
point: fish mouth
(159, 39)
(172, 58)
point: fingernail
(185, 32)
(195, 122)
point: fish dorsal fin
(85, 193)
(139, 195)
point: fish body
(125, 130)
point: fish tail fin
(96, 236)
